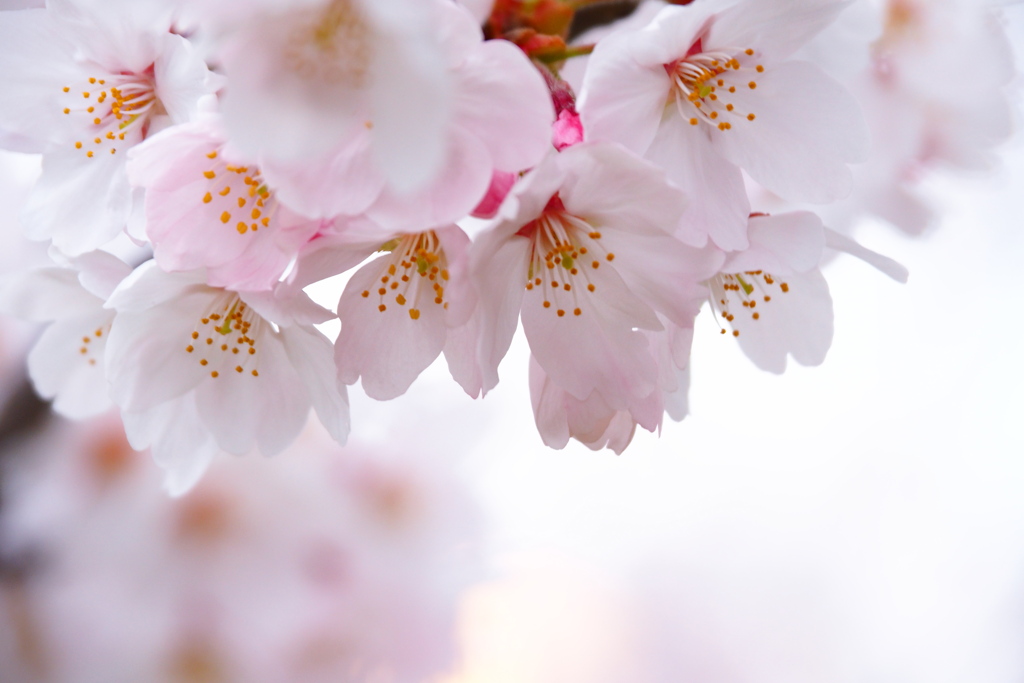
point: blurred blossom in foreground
(310, 567)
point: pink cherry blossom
(397, 311)
(585, 232)
(206, 209)
(707, 89)
(497, 119)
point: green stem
(567, 53)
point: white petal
(598, 350)
(342, 182)
(781, 244)
(177, 438)
(387, 349)
(147, 359)
(840, 242)
(774, 29)
(621, 100)
(807, 129)
(101, 272)
(181, 78)
(148, 286)
(677, 403)
(46, 294)
(463, 180)
(59, 370)
(797, 323)
(411, 105)
(718, 206)
(498, 268)
(36, 63)
(501, 97)
(312, 356)
(611, 186)
(79, 202)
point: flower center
(115, 111)
(225, 337)
(241, 195)
(703, 82)
(902, 19)
(414, 274)
(565, 252)
(747, 288)
(87, 350)
(331, 46)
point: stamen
(700, 84)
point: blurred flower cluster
(598, 172)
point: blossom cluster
(468, 167)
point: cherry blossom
(598, 270)
(396, 310)
(195, 369)
(495, 95)
(66, 363)
(83, 82)
(773, 296)
(206, 209)
(707, 89)
(392, 97)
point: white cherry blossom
(195, 369)
(66, 364)
(773, 296)
(83, 82)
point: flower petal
(807, 129)
(390, 348)
(718, 206)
